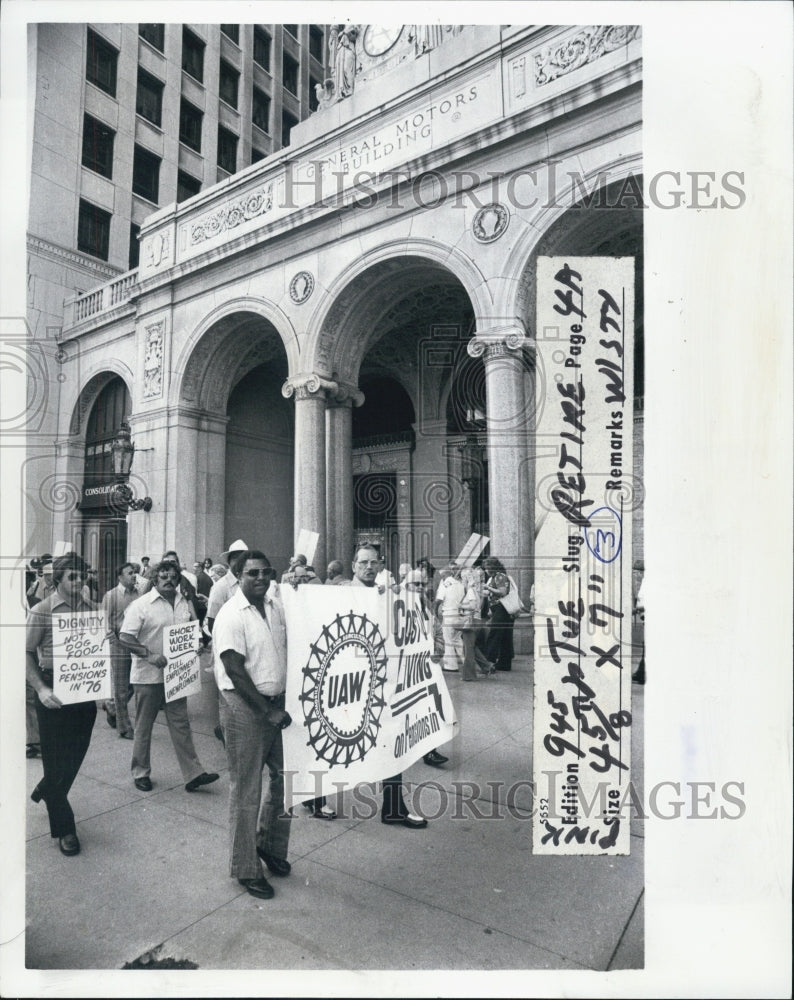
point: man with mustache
(142, 633)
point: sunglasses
(254, 573)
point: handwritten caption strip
(80, 659)
(181, 676)
(582, 714)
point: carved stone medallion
(301, 287)
(490, 222)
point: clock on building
(379, 38)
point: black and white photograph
(328, 497)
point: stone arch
(344, 326)
(94, 384)
(230, 341)
(564, 219)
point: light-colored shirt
(221, 591)
(38, 635)
(114, 604)
(262, 642)
(145, 619)
(450, 592)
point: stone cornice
(56, 252)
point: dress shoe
(277, 866)
(202, 779)
(36, 794)
(259, 887)
(435, 759)
(128, 734)
(409, 820)
(320, 812)
(69, 844)
(143, 784)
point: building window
(261, 110)
(256, 155)
(111, 409)
(93, 230)
(290, 74)
(292, 29)
(227, 150)
(135, 247)
(186, 186)
(316, 37)
(98, 146)
(262, 48)
(314, 103)
(149, 101)
(192, 55)
(288, 122)
(232, 31)
(146, 174)
(100, 68)
(190, 125)
(228, 83)
(154, 34)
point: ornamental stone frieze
(154, 352)
(575, 51)
(234, 213)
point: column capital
(500, 341)
(309, 385)
(346, 395)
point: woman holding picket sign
(65, 729)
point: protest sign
(307, 544)
(582, 715)
(80, 659)
(365, 699)
(181, 674)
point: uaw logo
(342, 694)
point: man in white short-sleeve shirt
(249, 640)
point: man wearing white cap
(223, 589)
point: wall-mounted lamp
(122, 451)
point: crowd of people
(236, 601)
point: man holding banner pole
(142, 632)
(65, 729)
(394, 811)
(250, 647)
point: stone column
(310, 392)
(62, 492)
(509, 427)
(339, 474)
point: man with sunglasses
(65, 730)
(249, 640)
(142, 633)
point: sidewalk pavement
(466, 893)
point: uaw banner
(365, 699)
(583, 562)
(80, 659)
